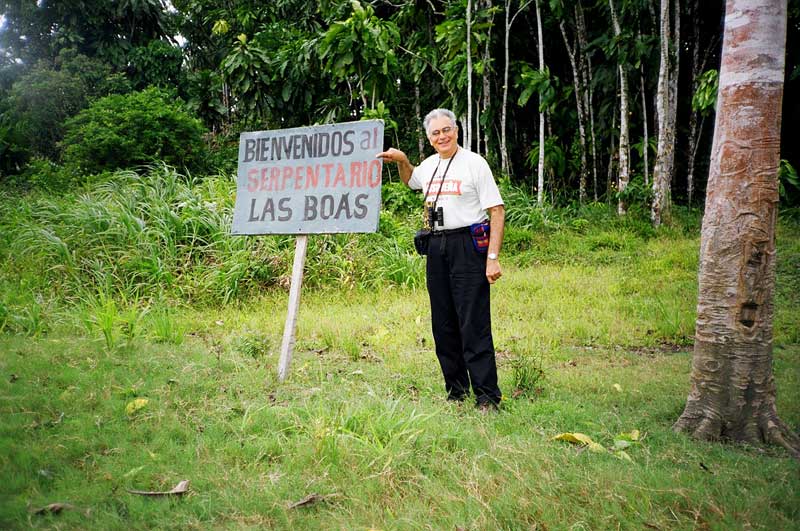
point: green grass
(593, 324)
(362, 421)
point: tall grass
(163, 235)
(157, 239)
(134, 289)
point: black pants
(461, 317)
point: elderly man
(459, 190)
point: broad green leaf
(623, 455)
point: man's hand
(497, 223)
(403, 164)
(392, 155)
(493, 270)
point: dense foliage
(123, 131)
(243, 65)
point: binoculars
(435, 216)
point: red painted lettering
(252, 181)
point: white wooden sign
(310, 180)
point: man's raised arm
(403, 164)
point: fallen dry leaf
(181, 488)
(54, 508)
(581, 439)
(308, 500)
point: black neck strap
(441, 183)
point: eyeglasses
(442, 131)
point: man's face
(443, 136)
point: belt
(445, 232)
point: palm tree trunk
(733, 389)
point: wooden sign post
(287, 345)
(308, 180)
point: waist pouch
(421, 241)
(480, 236)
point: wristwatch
(492, 256)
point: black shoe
(486, 407)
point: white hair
(438, 113)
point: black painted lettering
(249, 149)
(287, 146)
(323, 144)
(276, 148)
(326, 204)
(310, 211)
(344, 206)
(361, 208)
(263, 153)
(336, 143)
(349, 143)
(252, 216)
(283, 206)
(269, 210)
(298, 143)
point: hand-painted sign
(309, 180)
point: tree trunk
(733, 389)
(693, 135)
(468, 125)
(611, 184)
(540, 183)
(672, 115)
(646, 139)
(574, 52)
(503, 142)
(487, 82)
(624, 165)
(660, 171)
(586, 73)
(420, 131)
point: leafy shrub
(38, 104)
(517, 239)
(47, 175)
(252, 344)
(788, 184)
(157, 64)
(399, 198)
(122, 131)
(99, 78)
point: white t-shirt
(468, 188)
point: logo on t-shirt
(449, 187)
